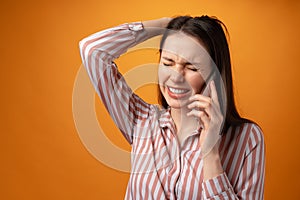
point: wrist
(155, 27)
(212, 166)
(157, 23)
(164, 22)
(212, 156)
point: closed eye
(167, 64)
(192, 68)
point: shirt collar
(165, 119)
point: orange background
(41, 154)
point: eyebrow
(168, 59)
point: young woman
(196, 145)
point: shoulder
(247, 131)
(249, 135)
(253, 133)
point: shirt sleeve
(250, 185)
(98, 52)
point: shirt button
(136, 27)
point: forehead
(182, 46)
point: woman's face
(184, 65)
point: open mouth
(177, 93)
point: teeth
(177, 91)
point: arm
(248, 162)
(98, 52)
(250, 182)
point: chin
(177, 104)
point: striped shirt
(161, 167)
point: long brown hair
(209, 30)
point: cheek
(196, 82)
(163, 74)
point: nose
(177, 74)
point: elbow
(87, 49)
(82, 45)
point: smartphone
(206, 89)
(220, 89)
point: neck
(184, 125)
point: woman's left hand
(207, 110)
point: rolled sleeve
(218, 187)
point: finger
(201, 106)
(199, 97)
(198, 105)
(202, 116)
(198, 114)
(205, 121)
